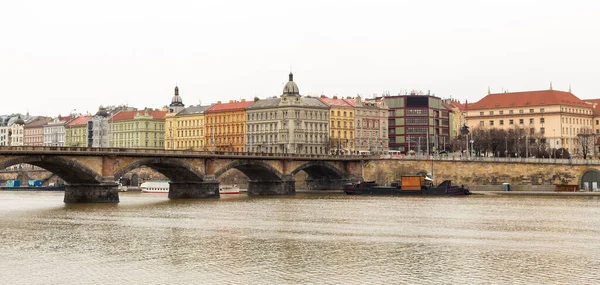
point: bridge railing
(573, 161)
(167, 152)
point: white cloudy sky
(56, 56)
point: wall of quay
(478, 175)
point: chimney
(335, 97)
(243, 100)
(218, 102)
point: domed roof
(176, 100)
(291, 88)
(102, 112)
(19, 121)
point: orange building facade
(225, 125)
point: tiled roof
(591, 104)
(37, 122)
(81, 120)
(224, 107)
(527, 99)
(265, 103)
(458, 105)
(193, 110)
(128, 115)
(364, 103)
(335, 102)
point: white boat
(229, 189)
(162, 186)
(155, 186)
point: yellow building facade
(76, 132)
(225, 125)
(341, 125)
(137, 129)
(186, 129)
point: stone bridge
(91, 173)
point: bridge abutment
(92, 193)
(272, 187)
(194, 190)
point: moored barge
(409, 186)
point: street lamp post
(472, 146)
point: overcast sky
(57, 56)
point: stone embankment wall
(479, 175)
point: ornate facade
(288, 124)
(371, 118)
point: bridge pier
(325, 183)
(92, 193)
(194, 190)
(272, 187)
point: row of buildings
(292, 123)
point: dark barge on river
(409, 186)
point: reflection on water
(307, 238)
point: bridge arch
(319, 169)
(254, 169)
(174, 169)
(68, 170)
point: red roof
(592, 102)
(128, 115)
(527, 99)
(226, 107)
(335, 102)
(458, 105)
(81, 120)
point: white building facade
(289, 124)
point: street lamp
(472, 146)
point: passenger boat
(409, 186)
(229, 189)
(155, 186)
(161, 186)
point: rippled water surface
(305, 239)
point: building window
(521, 111)
(501, 122)
(530, 120)
(541, 110)
(542, 120)
(510, 111)
(530, 110)
(597, 122)
(481, 123)
(492, 113)
(520, 121)
(501, 112)
(542, 130)
(480, 113)
(491, 123)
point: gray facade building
(288, 124)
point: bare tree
(585, 143)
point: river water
(304, 239)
